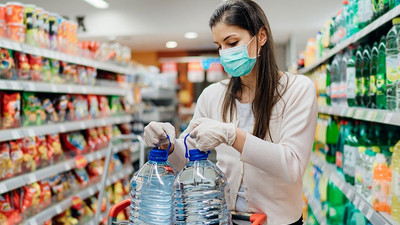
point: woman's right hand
(155, 135)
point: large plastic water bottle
(392, 64)
(152, 191)
(200, 191)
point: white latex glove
(155, 134)
(210, 133)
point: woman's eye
(219, 47)
(233, 44)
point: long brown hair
(248, 15)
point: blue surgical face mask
(236, 61)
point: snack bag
(82, 176)
(93, 106)
(17, 156)
(6, 65)
(8, 214)
(51, 114)
(92, 74)
(46, 70)
(93, 141)
(45, 197)
(6, 166)
(30, 153)
(82, 75)
(115, 105)
(108, 132)
(95, 168)
(43, 157)
(74, 142)
(82, 108)
(77, 209)
(55, 72)
(62, 103)
(10, 110)
(36, 67)
(104, 107)
(23, 66)
(103, 139)
(36, 195)
(57, 187)
(54, 146)
(33, 111)
(116, 131)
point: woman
(261, 121)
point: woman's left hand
(210, 133)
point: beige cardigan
(271, 171)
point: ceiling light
(191, 35)
(171, 44)
(101, 4)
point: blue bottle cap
(160, 155)
(194, 154)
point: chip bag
(10, 110)
(30, 153)
(6, 166)
(54, 146)
(17, 156)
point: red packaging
(17, 157)
(2, 14)
(95, 168)
(93, 106)
(14, 13)
(29, 149)
(23, 66)
(8, 214)
(45, 197)
(43, 155)
(93, 140)
(36, 67)
(15, 32)
(6, 166)
(108, 133)
(31, 197)
(74, 142)
(10, 110)
(104, 107)
(54, 146)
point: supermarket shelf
(157, 93)
(60, 88)
(315, 207)
(5, 43)
(159, 113)
(16, 133)
(25, 179)
(104, 214)
(353, 39)
(59, 207)
(358, 200)
(373, 115)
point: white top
(270, 170)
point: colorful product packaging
(28, 145)
(36, 67)
(15, 32)
(31, 36)
(54, 146)
(6, 65)
(14, 13)
(51, 114)
(17, 156)
(23, 66)
(10, 110)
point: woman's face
(229, 36)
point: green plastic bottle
(351, 80)
(336, 202)
(358, 64)
(381, 75)
(332, 136)
(344, 132)
(372, 76)
(365, 77)
(328, 84)
(350, 151)
(375, 9)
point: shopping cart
(255, 218)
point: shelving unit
(163, 101)
(25, 179)
(315, 207)
(59, 207)
(157, 93)
(372, 115)
(353, 39)
(358, 200)
(16, 133)
(5, 43)
(31, 86)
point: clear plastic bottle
(335, 80)
(152, 191)
(392, 64)
(200, 191)
(367, 185)
(351, 80)
(395, 189)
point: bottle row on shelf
(36, 27)
(367, 155)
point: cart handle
(116, 209)
(258, 219)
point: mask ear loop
(186, 147)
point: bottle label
(380, 84)
(358, 86)
(364, 84)
(372, 85)
(349, 159)
(351, 82)
(395, 183)
(339, 159)
(391, 68)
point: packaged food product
(36, 67)
(57, 187)
(6, 166)
(37, 192)
(53, 26)
(62, 103)
(6, 65)
(54, 146)
(95, 168)
(14, 13)
(55, 71)
(82, 176)
(92, 74)
(45, 197)
(104, 107)
(51, 114)
(31, 37)
(33, 112)
(115, 105)
(116, 131)
(43, 30)
(23, 66)
(17, 156)
(78, 108)
(103, 140)
(93, 106)
(8, 214)
(108, 132)
(28, 146)
(43, 155)
(15, 32)
(93, 140)
(2, 14)
(46, 70)
(82, 75)
(10, 110)
(74, 142)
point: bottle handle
(169, 146)
(186, 147)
